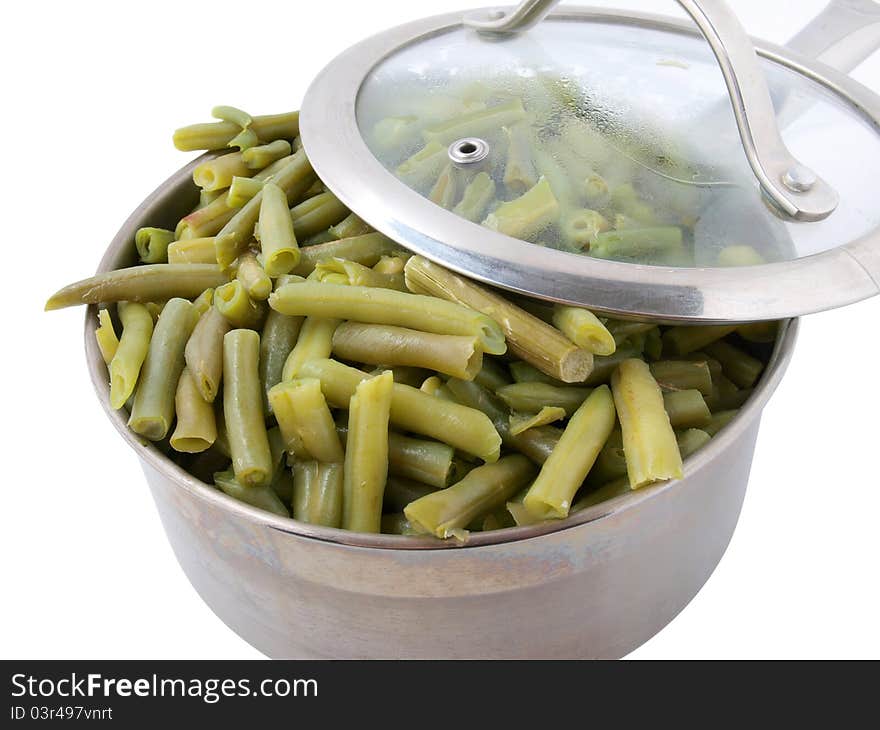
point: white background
(90, 94)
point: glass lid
(597, 159)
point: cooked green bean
(519, 167)
(528, 214)
(424, 165)
(527, 336)
(282, 485)
(256, 158)
(719, 420)
(400, 491)
(242, 189)
(125, 367)
(149, 283)
(205, 221)
(520, 422)
(232, 114)
(451, 423)
(310, 417)
(196, 428)
(435, 387)
(262, 497)
(277, 340)
(725, 395)
(317, 214)
(204, 353)
(685, 339)
(579, 227)
(204, 301)
(153, 408)
(233, 302)
(209, 196)
(604, 367)
(397, 524)
(447, 512)
(366, 453)
(492, 375)
(584, 328)
(623, 330)
(611, 462)
(243, 409)
(317, 493)
(686, 409)
(648, 439)
(638, 243)
(386, 306)
(367, 250)
(217, 135)
(653, 344)
(406, 375)
(553, 490)
(762, 332)
(739, 366)
(522, 372)
(740, 256)
(475, 123)
(355, 274)
(445, 190)
(604, 493)
(477, 196)
(106, 336)
(692, 440)
(683, 375)
(280, 250)
(253, 277)
(152, 244)
(531, 397)
(244, 140)
(288, 424)
(456, 355)
(217, 173)
(351, 225)
(315, 342)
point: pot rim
(153, 206)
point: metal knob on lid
(617, 128)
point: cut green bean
(400, 491)
(153, 408)
(532, 397)
(204, 301)
(196, 429)
(366, 454)
(456, 355)
(315, 342)
(310, 417)
(204, 353)
(552, 492)
(366, 250)
(580, 227)
(218, 135)
(125, 367)
(740, 256)
(686, 409)
(477, 196)
(648, 439)
(242, 312)
(685, 339)
(692, 440)
(338, 270)
(261, 497)
(256, 158)
(205, 221)
(149, 283)
(519, 167)
(389, 307)
(106, 336)
(317, 214)
(743, 369)
(611, 462)
(451, 423)
(317, 493)
(445, 190)
(242, 189)
(217, 173)
(277, 341)
(152, 244)
(528, 214)
(725, 395)
(492, 375)
(762, 332)
(683, 375)
(351, 225)
(604, 367)
(278, 244)
(718, 421)
(447, 512)
(253, 277)
(638, 243)
(520, 422)
(243, 409)
(476, 123)
(584, 328)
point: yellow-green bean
(719, 420)
(233, 302)
(262, 497)
(476, 198)
(528, 214)
(340, 271)
(217, 173)
(310, 417)
(367, 250)
(520, 422)
(317, 214)
(692, 440)
(315, 342)
(400, 491)
(685, 339)
(683, 375)
(351, 225)
(743, 369)
(280, 250)
(204, 301)
(253, 277)
(532, 397)
(204, 353)
(206, 220)
(217, 135)
(106, 336)
(125, 367)
(256, 158)
(196, 428)
(277, 340)
(192, 251)
(317, 493)
(152, 244)
(686, 409)
(583, 328)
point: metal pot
(595, 585)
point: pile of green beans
(284, 352)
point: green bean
(277, 448)
(204, 353)
(389, 307)
(459, 426)
(366, 454)
(351, 225)
(522, 372)
(691, 440)
(520, 422)
(531, 397)
(762, 332)
(315, 342)
(456, 355)
(277, 340)
(152, 244)
(519, 167)
(475, 123)
(740, 256)
(309, 416)
(584, 328)
(322, 237)
(424, 165)
(294, 178)
(280, 250)
(196, 428)
(528, 214)
(155, 309)
(366, 250)
(556, 178)
(125, 367)
(400, 491)
(686, 408)
(552, 492)
(244, 140)
(242, 189)
(206, 197)
(529, 338)
(719, 420)
(435, 387)
(149, 283)
(106, 336)
(406, 375)
(477, 196)
(357, 274)
(205, 221)
(261, 497)
(204, 301)
(397, 524)
(317, 214)
(243, 409)
(611, 462)
(282, 485)
(445, 513)
(743, 369)
(492, 375)
(685, 339)
(217, 135)
(580, 226)
(623, 330)
(653, 344)
(253, 277)
(445, 190)
(615, 488)
(217, 173)
(256, 158)
(638, 243)
(153, 408)
(683, 375)
(648, 439)
(233, 302)
(288, 424)
(317, 493)
(232, 114)
(725, 395)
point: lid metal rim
(330, 133)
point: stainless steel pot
(597, 584)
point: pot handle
(843, 35)
(795, 189)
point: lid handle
(792, 186)
(843, 35)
